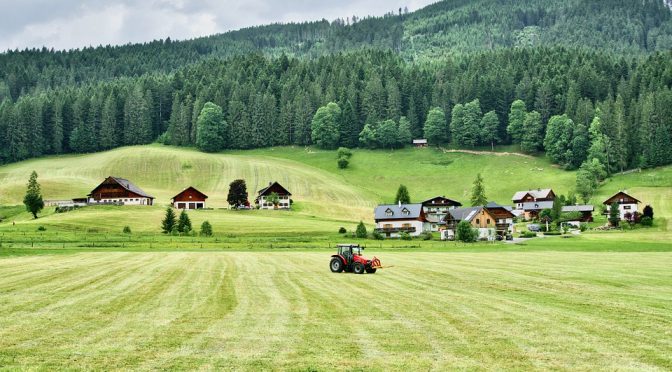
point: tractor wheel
(370, 271)
(336, 265)
(358, 268)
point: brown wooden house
(284, 197)
(189, 198)
(115, 190)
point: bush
(426, 235)
(377, 236)
(583, 227)
(528, 234)
(127, 230)
(206, 229)
(552, 233)
(405, 236)
(360, 232)
(344, 152)
(41, 228)
(646, 221)
(342, 230)
(465, 233)
(343, 163)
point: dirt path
(489, 153)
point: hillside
(325, 197)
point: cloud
(67, 24)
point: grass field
(546, 310)
(259, 295)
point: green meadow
(80, 294)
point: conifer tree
(403, 196)
(169, 221)
(33, 198)
(478, 192)
(184, 223)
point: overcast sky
(66, 24)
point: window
(478, 221)
(405, 212)
(627, 207)
(406, 225)
(387, 226)
(487, 221)
(389, 213)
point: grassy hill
(325, 196)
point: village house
(115, 190)
(626, 203)
(436, 209)
(284, 197)
(586, 212)
(529, 203)
(393, 219)
(189, 198)
(490, 220)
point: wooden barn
(115, 190)
(283, 194)
(189, 198)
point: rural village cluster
(491, 221)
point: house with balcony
(490, 220)
(264, 200)
(436, 209)
(393, 219)
(626, 204)
(528, 204)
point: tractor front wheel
(370, 271)
(336, 265)
(358, 268)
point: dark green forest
(580, 80)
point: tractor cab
(349, 258)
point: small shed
(420, 143)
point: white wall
(284, 203)
(126, 201)
(420, 226)
(625, 208)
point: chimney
(399, 203)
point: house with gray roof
(529, 203)
(586, 211)
(393, 219)
(117, 190)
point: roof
(190, 188)
(534, 206)
(578, 208)
(537, 194)
(449, 201)
(270, 185)
(621, 193)
(464, 214)
(414, 212)
(128, 185)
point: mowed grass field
(252, 311)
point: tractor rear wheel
(336, 265)
(358, 268)
(370, 271)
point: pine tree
(403, 196)
(33, 199)
(532, 139)
(393, 99)
(361, 232)
(169, 221)
(184, 223)
(478, 192)
(108, 123)
(137, 120)
(206, 229)
(404, 132)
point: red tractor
(349, 259)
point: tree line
(545, 99)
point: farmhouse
(436, 209)
(284, 197)
(529, 203)
(626, 203)
(189, 198)
(393, 219)
(489, 220)
(586, 211)
(115, 190)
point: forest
(352, 83)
